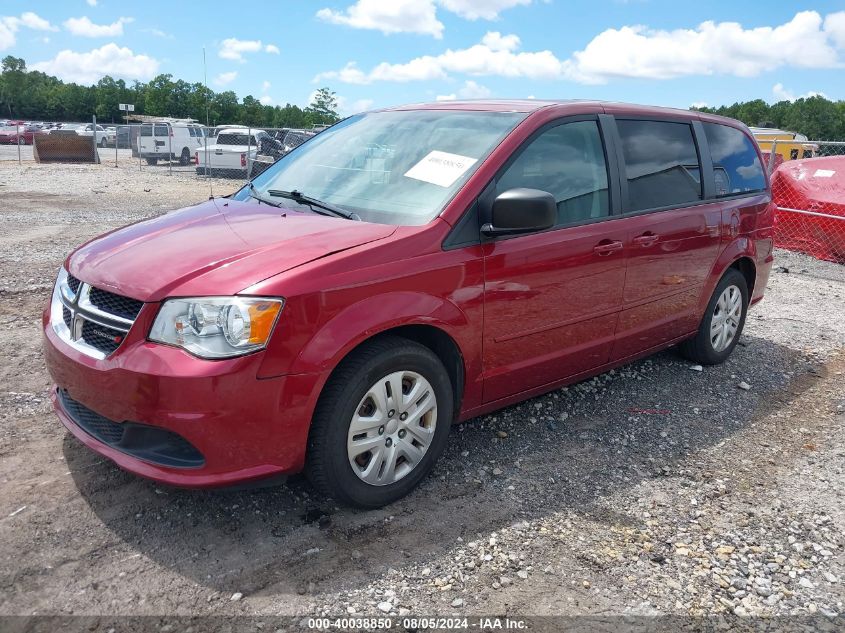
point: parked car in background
(123, 136)
(174, 139)
(405, 270)
(111, 136)
(18, 135)
(290, 138)
(237, 150)
(90, 130)
(212, 132)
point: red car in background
(403, 270)
(18, 135)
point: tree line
(36, 96)
(818, 118)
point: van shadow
(620, 429)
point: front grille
(148, 443)
(101, 337)
(93, 320)
(73, 283)
(115, 304)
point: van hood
(219, 247)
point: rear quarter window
(661, 164)
(736, 166)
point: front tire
(722, 324)
(381, 423)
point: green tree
(323, 107)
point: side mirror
(517, 211)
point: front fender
(368, 317)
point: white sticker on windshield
(441, 168)
(824, 173)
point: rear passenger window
(735, 161)
(161, 130)
(661, 164)
(568, 162)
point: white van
(170, 140)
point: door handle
(646, 239)
(607, 247)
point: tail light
(243, 160)
(196, 158)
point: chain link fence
(164, 146)
(808, 187)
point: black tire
(185, 157)
(104, 143)
(700, 348)
(327, 464)
(152, 161)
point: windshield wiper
(253, 193)
(298, 196)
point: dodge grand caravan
(404, 270)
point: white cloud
(266, 100)
(91, 3)
(33, 21)
(109, 59)
(480, 9)
(496, 54)
(780, 93)
(10, 25)
(834, 26)
(346, 107)
(388, 16)
(234, 49)
(470, 90)
(698, 104)
(84, 27)
(473, 90)
(158, 33)
(725, 48)
(265, 86)
(413, 16)
(709, 49)
(226, 78)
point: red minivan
(401, 271)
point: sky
(377, 53)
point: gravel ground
(658, 488)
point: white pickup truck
(235, 151)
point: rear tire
(407, 436)
(185, 157)
(152, 161)
(721, 326)
(103, 143)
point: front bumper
(243, 427)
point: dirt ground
(654, 489)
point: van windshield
(398, 167)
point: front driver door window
(552, 298)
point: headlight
(217, 327)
